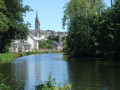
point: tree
(80, 32)
(108, 32)
(56, 38)
(116, 20)
(111, 4)
(82, 8)
(99, 7)
(98, 32)
(17, 28)
(45, 44)
(3, 19)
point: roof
(58, 44)
(20, 44)
(33, 32)
(33, 37)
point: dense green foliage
(4, 86)
(79, 44)
(56, 38)
(94, 34)
(47, 44)
(82, 8)
(3, 18)
(12, 24)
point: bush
(3, 86)
(51, 85)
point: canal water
(84, 74)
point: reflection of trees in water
(19, 72)
(82, 73)
(93, 74)
(5, 72)
(30, 70)
(26, 72)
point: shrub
(50, 85)
(3, 86)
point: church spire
(37, 23)
(36, 15)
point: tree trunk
(83, 11)
(111, 4)
(99, 7)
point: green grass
(6, 57)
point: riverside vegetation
(6, 57)
(4, 86)
(47, 85)
(12, 25)
(93, 29)
(51, 85)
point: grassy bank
(6, 57)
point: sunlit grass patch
(6, 57)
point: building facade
(31, 43)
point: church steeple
(37, 23)
(36, 15)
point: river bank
(6, 57)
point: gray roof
(58, 44)
(23, 44)
(33, 32)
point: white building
(31, 43)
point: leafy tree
(116, 19)
(77, 14)
(17, 28)
(80, 32)
(81, 7)
(3, 19)
(3, 23)
(96, 32)
(46, 44)
(56, 38)
(64, 44)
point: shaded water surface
(83, 74)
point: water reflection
(93, 74)
(32, 69)
(83, 74)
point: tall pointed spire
(36, 15)
(37, 23)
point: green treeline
(47, 44)
(12, 24)
(93, 30)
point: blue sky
(50, 13)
